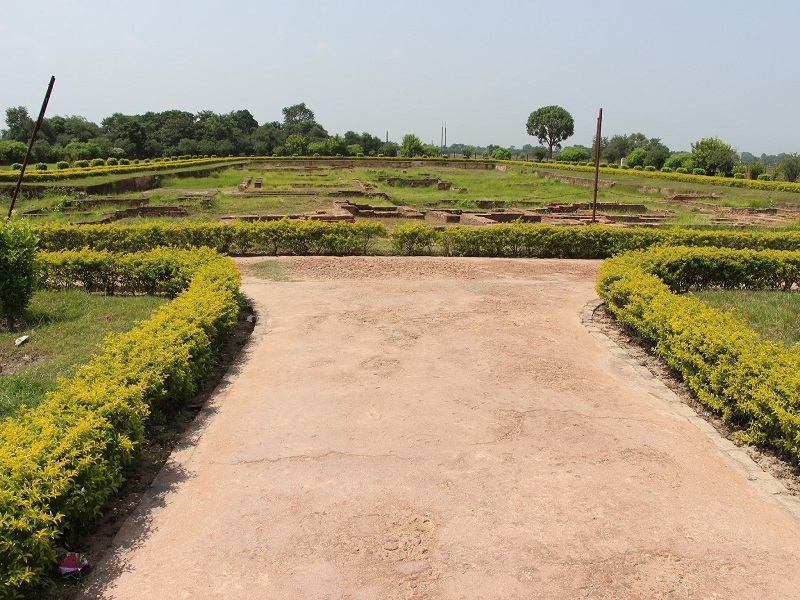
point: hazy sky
(677, 70)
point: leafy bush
(81, 164)
(411, 239)
(62, 164)
(738, 175)
(765, 177)
(682, 170)
(17, 268)
(97, 162)
(40, 166)
(573, 153)
(625, 167)
(62, 460)
(638, 168)
(125, 161)
(111, 162)
(666, 170)
(789, 167)
(16, 166)
(756, 169)
(698, 171)
(752, 383)
(651, 168)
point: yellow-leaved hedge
(753, 383)
(60, 461)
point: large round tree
(550, 125)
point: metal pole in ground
(30, 145)
(596, 164)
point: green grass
(518, 185)
(273, 270)
(65, 328)
(774, 315)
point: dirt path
(440, 428)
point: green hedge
(263, 237)
(313, 237)
(752, 383)
(155, 272)
(60, 461)
(597, 241)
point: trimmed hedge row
(313, 237)
(261, 237)
(161, 271)
(596, 241)
(781, 186)
(752, 383)
(85, 168)
(60, 461)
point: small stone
(21, 340)
(251, 318)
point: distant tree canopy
(714, 156)
(622, 146)
(550, 125)
(573, 154)
(411, 145)
(180, 133)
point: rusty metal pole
(597, 164)
(30, 145)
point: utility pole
(597, 164)
(30, 145)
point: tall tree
(19, 123)
(714, 155)
(550, 125)
(411, 145)
(297, 113)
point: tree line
(180, 133)
(237, 133)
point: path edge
(735, 455)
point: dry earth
(448, 428)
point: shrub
(666, 170)
(62, 164)
(63, 459)
(638, 168)
(17, 268)
(698, 171)
(738, 175)
(112, 162)
(411, 239)
(97, 162)
(625, 167)
(40, 166)
(81, 164)
(765, 177)
(756, 169)
(16, 166)
(649, 168)
(125, 161)
(682, 170)
(752, 383)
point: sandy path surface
(446, 428)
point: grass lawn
(65, 328)
(774, 315)
(307, 190)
